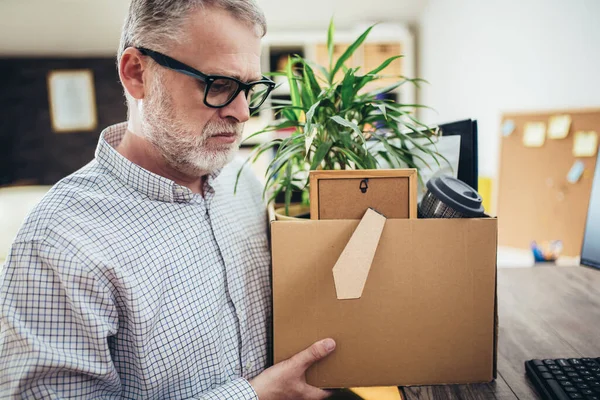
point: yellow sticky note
(534, 134)
(585, 144)
(558, 126)
(378, 393)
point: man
(142, 275)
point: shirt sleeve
(236, 389)
(55, 320)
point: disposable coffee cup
(448, 197)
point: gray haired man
(142, 275)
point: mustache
(219, 127)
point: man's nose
(237, 109)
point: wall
(30, 152)
(485, 57)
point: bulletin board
(536, 201)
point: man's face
(192, 137)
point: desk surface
(544, 312)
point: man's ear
(131, 72)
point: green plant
(333, 123)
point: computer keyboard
(565, 378)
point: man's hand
(287, 379)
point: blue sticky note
(508, 127)
(576, 171)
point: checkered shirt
(123, 284)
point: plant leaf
(320, 154)
(294, 92)
(382, 108)
(384, 65)
(348, 88)
(310, 80)
(348, 124)
(288, 188)
(371, 75)
(349, 51)
(310, 130)
(330, 44)
(291, 113)
(271, 128)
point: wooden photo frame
(343, 194)
(72, 100)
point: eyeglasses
(219, 90)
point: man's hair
(156, 23)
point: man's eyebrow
(236, 76)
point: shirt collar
(153, 186)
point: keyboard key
(568, 369)
(588, 360)
(575, 396)
(583, 386)
(593, 369)
(575, 361)
(546, 375)
(538, 362)
(590, 379)
(557, 389)
(542, 369)
(585, 373)
(562, 378)
(592, 397)
(587, 391)
(570, 389)
(573, 374)
(563, 363)
(577, 380)
(566, 383)
(581, 367)
(553, 367)
(549, 362)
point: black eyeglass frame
(178, 66)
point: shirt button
(249, 366)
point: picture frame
(346, 194)
(72, 100)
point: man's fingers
(314, 393)
(314, 353)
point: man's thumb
(314, 353)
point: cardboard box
(346, 194)
(425, 316)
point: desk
(544, 312)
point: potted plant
(337, 124)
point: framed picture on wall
(72, 100)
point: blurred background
(503, 65)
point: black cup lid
(457, 195)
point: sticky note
(576, 171)
(534, 134)
(558, 126)
(508, 127)
(585, 144)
